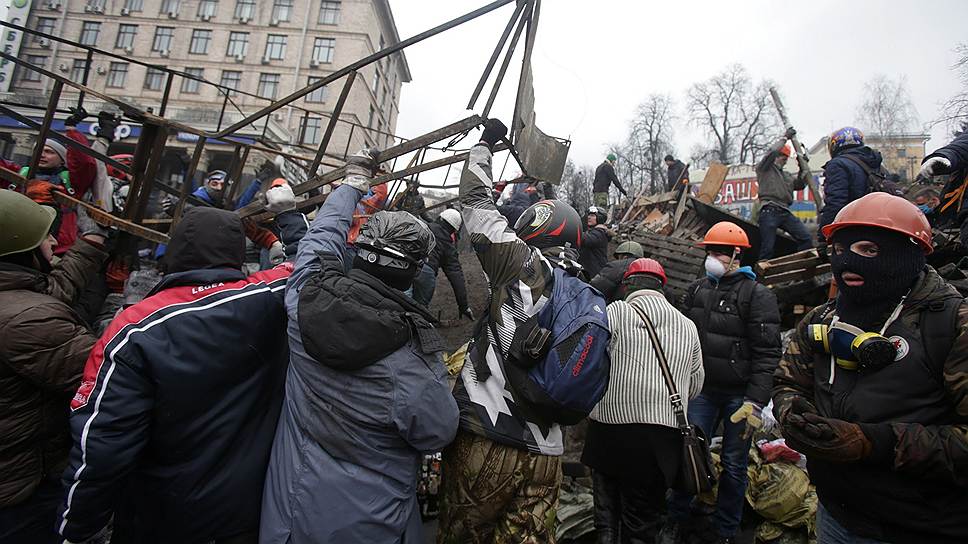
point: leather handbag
(696, 473)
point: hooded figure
(367, 392)
(180, 398)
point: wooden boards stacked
(681, 259)
(799, 266)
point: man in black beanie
(872, 388)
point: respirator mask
(853, 348)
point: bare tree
(887, 109)
(576, 186)
(736, 116)
(954, 111)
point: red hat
(277, 182)
(646, 266)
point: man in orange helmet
(775, 193)
(873, 387)
(739, 330)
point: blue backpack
(555, 377)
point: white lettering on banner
(196, 290)
(120, 133)
(17, 14)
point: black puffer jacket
(609, 279)
(739, 327)
(444, 255)
(594, 249)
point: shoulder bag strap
(674, 397)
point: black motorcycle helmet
(550, 223)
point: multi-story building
(268, 48)
(902, 153)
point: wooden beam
(104, 218)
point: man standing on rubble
(951, 160)
(604, 178)
(845, 179)
(873, 389)
(776, 187)
(594, 244)
(502, 473)
(43, 346)
(367, 393)
(180, 397)
(739, 329)
(609, 278)
(678, 175)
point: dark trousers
(627, 511)
(33, 521)
(774, 217)
(424, 285)
(707, 411)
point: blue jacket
(179, 404)
(349, 444)
(845, 181)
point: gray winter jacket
(349, 443)
(775, 184)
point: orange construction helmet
(786, 150)
(725, 233)
(277, 182)
(887, 212)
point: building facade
(256, 50)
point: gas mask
(853, 348)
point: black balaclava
(217, 196)
(887, 277)
(400, 279)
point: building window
(97, 6)
(245, 9)
(276, 47)
(45, 25)
(35, 60)
(231, 79)
(117, 75)
(207, 8)
(191, 86)
(311, 129)
(134, 5)
(163, 37)
(238, 44)
(901, 152)
(200, 41)
(319, 95)
(268, 85)
(77, 70)
(89, 32)
(153, 79)
(170, 6)
(329, 12)
(126, 36)
(324, 49)
(369, 122)
(281, 10)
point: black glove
(77, 115)
(494, 130)
(107, 124)
(790, 133)
(267, 170)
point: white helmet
(452, 217)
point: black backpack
(877, 181)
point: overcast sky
(595, 61)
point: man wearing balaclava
(739, 329)
(873, 387)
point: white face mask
(715, 267)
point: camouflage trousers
(497, 494)
(600, 199)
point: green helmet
(24, 224)
(611, 157)
(630, 248)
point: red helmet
(646, 266)
(115, 172)
(887, 212)
(549, 223)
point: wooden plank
(686, 248)
(800, 255)
(712, 183)
(796, 275)
(104, 218)
(807, 264)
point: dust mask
(715, 267)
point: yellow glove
(751, 413)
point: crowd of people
(293, 400)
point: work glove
(267, 171)
(838, 441)
(361, 168)
(280, 199)
(935, 166)
(42, 192)
(277, 253)
(752, 414)
(168, 205)
(790, 133)
(77, 115)
(468, 313)
(107, 125)
(494, 131)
